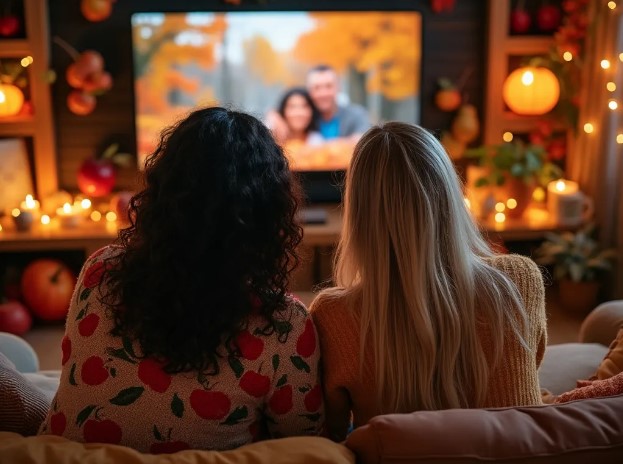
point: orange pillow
(612, 364)
(595, 389)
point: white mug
(571, 209)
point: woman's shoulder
(104, 253)
(519, 268)
(329, 307)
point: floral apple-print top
(110, 394)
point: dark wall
(452, 42)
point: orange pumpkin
(11, 100)
(47, 286)
(531, 91)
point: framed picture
(15, 173)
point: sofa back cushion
(569, 433)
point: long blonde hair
(411, 260)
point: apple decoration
(120, 204)
(548, 18)
(9, 25)
(520, 19)
(97, 176)
(96, 10)
(47, 286)
(448, 97)
(14, 318)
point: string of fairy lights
(608, 65)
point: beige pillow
(612, 364)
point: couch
(570, 433)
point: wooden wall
(452, 42)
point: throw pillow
(595, 389)
(22, 406)
(612, 364)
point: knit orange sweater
(513, 383)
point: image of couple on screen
(317, 130)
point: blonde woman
(424, 316)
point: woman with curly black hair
(183, 335)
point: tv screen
(317, 79)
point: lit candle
(30, 204)
(567, 205)
(68, 216)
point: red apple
(211, 405)
(81, 103)
(14, 318)
(96, 10)
(96, 178)
(97, 82)
(548, 18)
(520, 21)
(9, 26)
(120, 204)
(89, 62)
(75, 76)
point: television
(251, 61)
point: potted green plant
(516, 166)
(578, 263)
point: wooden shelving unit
(502, 45)
(40, 126)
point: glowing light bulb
(86, 203)
(611, 86)
(613, 105)
(538, 194)
(567, 56)
(499, 206)
(507, 136)
(560, 185)
(612, 5)
(605, 64)
(96, 216)
(620, 138)
(111, 216)
(45, 219)
(588, 128)
(500, 218)
(527, 78)
(511, 203)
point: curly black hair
(281, 108)
(212, 238)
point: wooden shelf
(527, 45)
(14, 48)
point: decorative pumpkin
(11, 100)
(531, 91)
(47, 286)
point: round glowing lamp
(531, 91)
(11, 100)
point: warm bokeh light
(67, 208)
(0, 227)
(26, 61)
(500, 218)
(560, 185)
(111, 216)
(96, 216)
(611, 86)
(620, 56)
(45, 219)
(605, 64)
(538, 194)
(620, 138)
(588, 128)
(511, 203)
(527, 78)
(86, 203)
(499, 207)
(567, 56)
(613, 105)
(612, 5)
(507, 136)
(30, 202)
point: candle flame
(560, 185)
(30, 201)
(86, 203)
(66, 208)
(45, 219)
